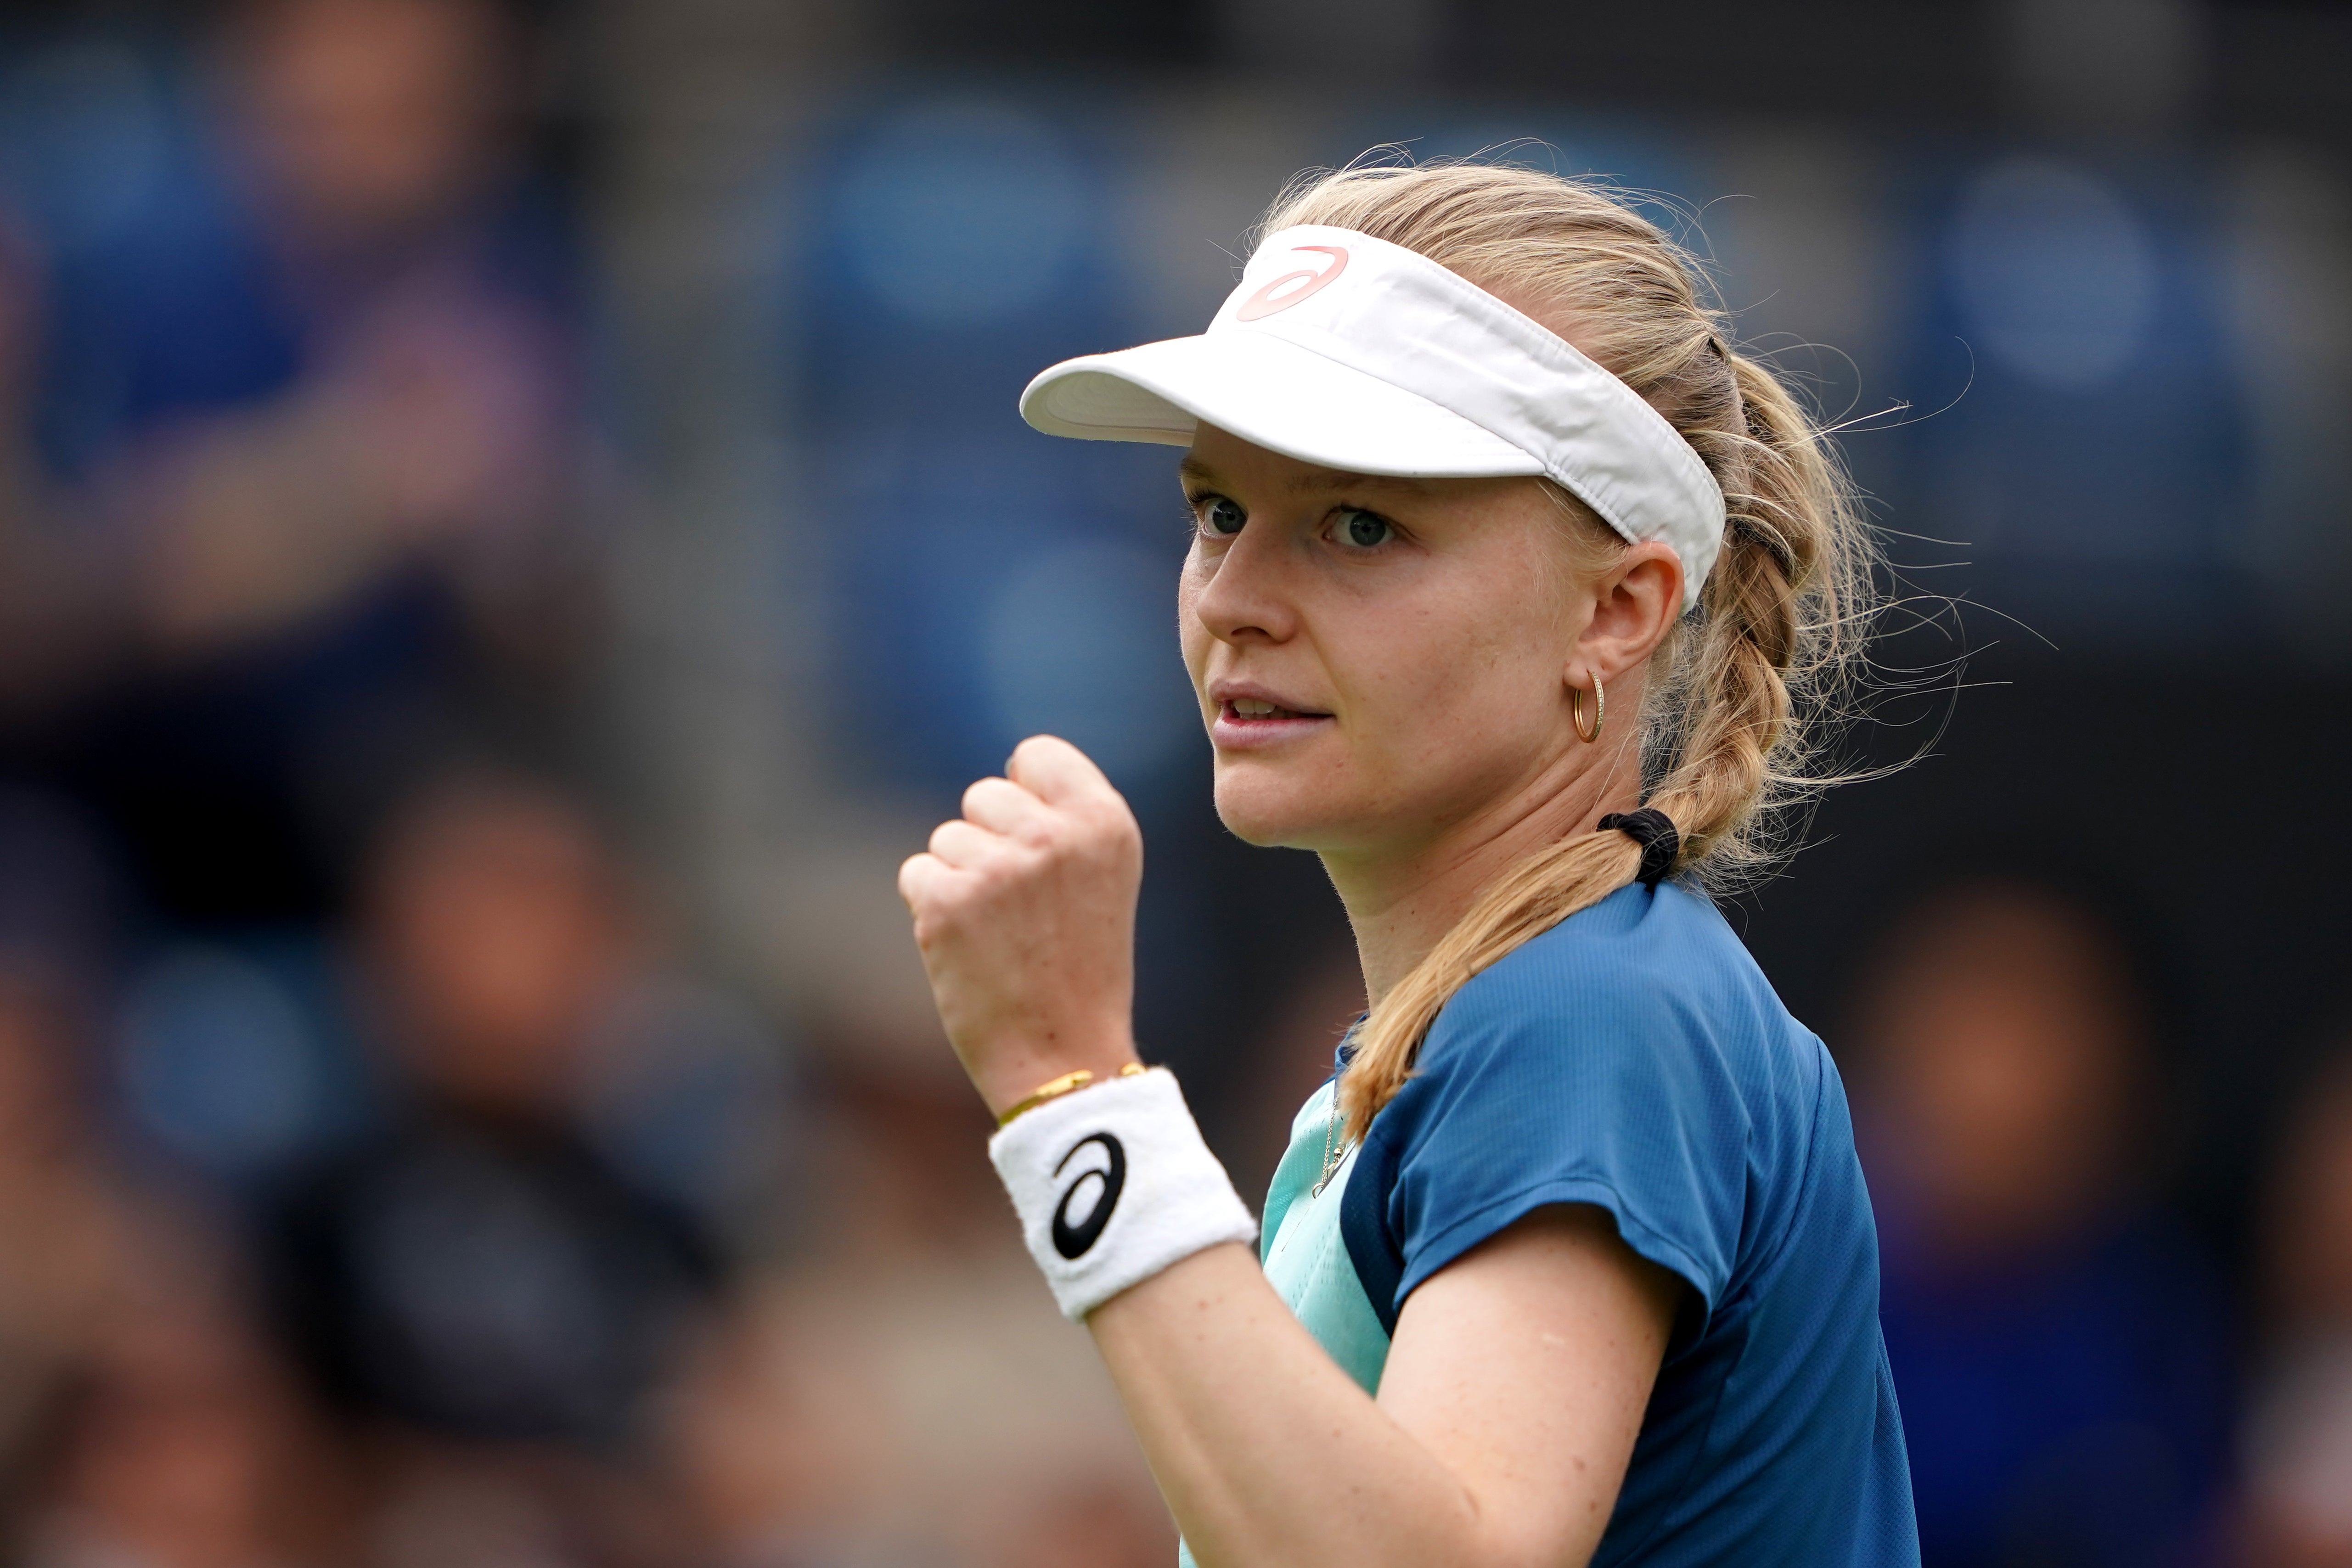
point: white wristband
(1113, 1184)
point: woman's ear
(1634, 604)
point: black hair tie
(1654, 832)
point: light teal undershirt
(1306, 1258)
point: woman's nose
(1244, 595)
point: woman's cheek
(1191, 637)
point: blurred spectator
(62, 1224)
(907, 1393)
(2298, 1452)
(370, 140)
(141, 1420)
(489, 1300)
(2057, 1346)
(184, 1444)
(69, 1253)
(341, 429)
(61, 614)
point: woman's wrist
(1052, 1089)
(1004, 1085)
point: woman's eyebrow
(1193, 472)
(1337, 479)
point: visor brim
(1271, 393)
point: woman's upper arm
(1525, 1368)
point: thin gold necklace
(1334, 1151)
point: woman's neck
(1403, 904)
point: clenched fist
(1024, 911)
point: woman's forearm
(1266, 1451)
(1512, 1394)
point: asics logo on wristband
(1072, 1241)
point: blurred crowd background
(513, 521)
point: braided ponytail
(1739, 686)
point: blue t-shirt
(1633, 1058)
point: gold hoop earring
(1576, 711)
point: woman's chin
(1271, 814)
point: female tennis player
(1509, 583)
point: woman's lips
(1244, 722)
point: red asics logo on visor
(1264, 304)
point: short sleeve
(1581, 1069)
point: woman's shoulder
(1630, 1058)
(1649, 947)
(1648, 979)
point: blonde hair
(1736, 692)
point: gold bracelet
(1054, 1088)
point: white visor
(1352, 353)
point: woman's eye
(1221, 516)
(1363, 530)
